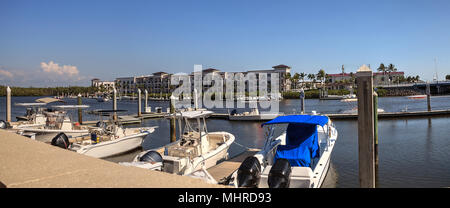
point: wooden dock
(226, 168)
(131, 119)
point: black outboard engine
(279, 175)
(151, 156)
(101, 124)
(249, 173)
(233, 112)
(61, 140)
(3, 124)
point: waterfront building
(159, 82)
(339, 81)
(106, 86)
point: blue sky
(108, 39)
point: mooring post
(366, 144)
(80, 113)
(8, 104)
(302, 101)
(375, 119)
(115, 104)
(139, 103)
(428, 91)
(146, 101)
(173, 136)
(195, 99)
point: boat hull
(47, 136)
(110, 148)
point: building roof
(281, 66)
(209, 70)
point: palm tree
(302, 77)
(382, 68)
(295, 79)
(391, 68)
(321, 75)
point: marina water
(413, 152)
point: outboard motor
(233, 112)
(151, 156)
(279, 175)
(249, 173)
(61, 140)
(3, 124)
(101, 124)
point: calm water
(412, 152)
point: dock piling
(115, 104)
(8, 104)
(302, 101)
(428, 96)
(195, 99)
(80, 113)
(366, 124)
(173, 136)
(375, 118)
(139, 113)
(146, 101)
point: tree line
(47, 91)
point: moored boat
(195, 149)
(298, 156)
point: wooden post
(139, 103)
(375, 118)
(428, 96)
(195, 99)
(80, 113)
(115, 104)
(366, 125)
(146, 101)
(173, 136)
(302, 101)
(8, 104)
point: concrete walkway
(28, 163)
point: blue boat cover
(299, 119)
(302, 144)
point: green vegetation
(311, 94)
(49, 91)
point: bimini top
(299, 119)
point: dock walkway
(26, 163)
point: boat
(296, 154)
(355, 111)
(196, 148)
(417, 97)
(253, 115)
(104, 140)
(53, 122)
(103, 99)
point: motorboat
(105, 139)
(355, 111)
(53, 122)
(196, 148)
(417, 97)
(253, 115)
(296, 154)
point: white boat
(104, 140)
(253, 115)
(298, 156)
(195, 150)
(56, 122)
(417, 97)
(355, 111)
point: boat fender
(279, 175)
(61, 140)
(3, 124)
(249, 173)
(151, 156)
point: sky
(68, 42)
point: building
(159, 82)
(338, 81)
(106, 86)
